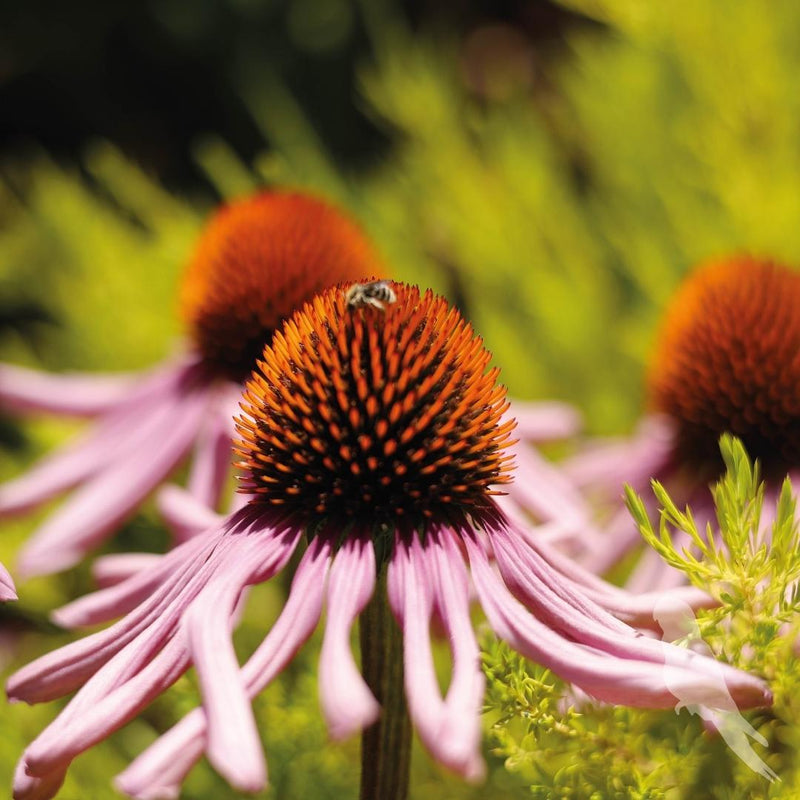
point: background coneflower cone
(258, 260)
(727, 359)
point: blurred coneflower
(256, 261)
(726, 360)
(379, 437)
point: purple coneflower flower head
(375, 438)
(725, 361)
(257, 260)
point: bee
(373, 294)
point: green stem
(386, 745)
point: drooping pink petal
(185, 515)
(234, 747)
(347, 703)
(28, 787)
(153, 660)
(545, 421)
(117, 568)
(434, 575)
(574, 541)
(90, 721)
(556, 603)
(465, 693)
(7, 588)
(635, 609)
(618, 677)
(608, 465)
(159, 770)
(541, 488)
(24, 390)
(114, 601)
(410, 588)
(116, 434)
(61, 671)
(213, 454)
(102, 504)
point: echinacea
(726, 360)
(257, 260)
(376, 440)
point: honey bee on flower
(374, 293)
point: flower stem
(386, 745)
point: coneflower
(726, 360)
(375, 438)
(257, 260)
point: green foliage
(689, 110)
(568, 748)
(748, 562)
(584, 752)
(103, 258)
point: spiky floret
(372, 415)
(257, 261)
(728, 360)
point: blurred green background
(554, 168)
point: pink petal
(633, 609)
(113, 436)
(449, 729)
(564, 610)
(27, 787)
(461, 734)
(184, 513)
(211, 463)
(73, 733)
(410, 586)
(570, 540)
(60, 672)
(122, 598)
(347, 703)
(234, 747)
(152, 661)
(545, 422)
(614, 678)
(100, 505)
(542, 489)
(608, 465)
(160, 769)
(552, 598)
(69, 394)
(117, 568)
(7, 589)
